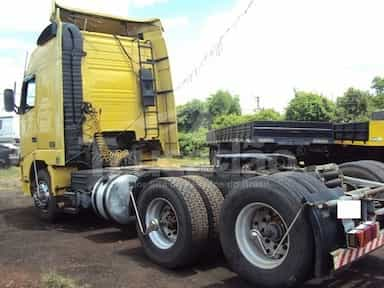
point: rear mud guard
(327, 232)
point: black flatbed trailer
(314, 143)
(280, 132)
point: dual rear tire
(187, 210)
(264, 230)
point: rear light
(363, 234)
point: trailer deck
(314, 143)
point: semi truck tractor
(97, 110)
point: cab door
(28, 128)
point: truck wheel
(253, 221)
(44, 200)
(365, 169)
(213, 200)
(183, 220)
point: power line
(216, 49)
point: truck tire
(269, 207)
(183, 219)
(213, 200)
(285, 152)
(312, 184)
(365, 169)
(378, 164)
(45, 204)
(317, 189)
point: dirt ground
(91, 252)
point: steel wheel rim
(162, 210)
(250, 246)
(42, 195)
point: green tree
(267, 115)
(234, 119)
(377, 100)
(223, 103)
(192, 115)
(354, 105)
(378, 85)
(307, 106)
(194, 144)
(228, 120)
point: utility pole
(258, 108)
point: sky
(324, 46)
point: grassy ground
(10, 172)
(54, 280)
(9, 179)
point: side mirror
(9, 100)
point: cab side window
(29, 94)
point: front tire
(44, 199)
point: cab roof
(74, 10)
(100, 22)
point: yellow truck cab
(97, 92)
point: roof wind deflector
(48, 33)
